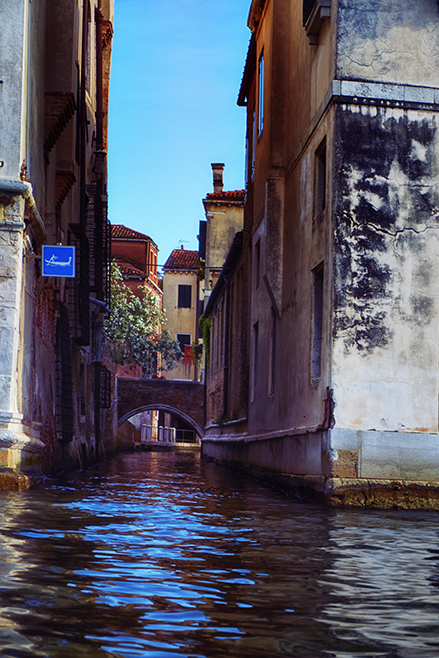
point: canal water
(161, 555)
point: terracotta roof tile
(182, 259)
(120, 232)
(128, 267)
(233, 195)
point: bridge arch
(167, 409)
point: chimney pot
(217, 169)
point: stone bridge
(185, 400)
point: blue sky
(176, 71)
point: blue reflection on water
(161, 555)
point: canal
(161, 555)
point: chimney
(218, 184)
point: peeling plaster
(386, 267)
(399, 46)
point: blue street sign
(58, 261)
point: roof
(128, 267)
(182, 259)
(120, 232)
(249, 69)
(234, 195)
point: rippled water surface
(162, 555)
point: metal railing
(161, 434)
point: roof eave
(249, 69)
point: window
(261, 95)
(153, 264)
(250, 144)
(320, 178)
(78, 291)
(184, 339)
(257, 263)
(184, 296)
(105, 388)
(317, 334)
(255, 358)
(272, 356)
(98, 234)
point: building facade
(57, 388)
(224, 218)
(181, 295)
(136, 256)
(340, 243)
(227, 356)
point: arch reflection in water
(151, 427)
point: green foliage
(197, 351)
(134, 327)
(205, 325)
(201, 271)
(223, 419)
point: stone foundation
(339, 467)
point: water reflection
(384, 586)
(161, 555)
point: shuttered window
(79, 288)
(184, 296)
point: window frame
(272, 353)
(257, 263)
(318, 288)
(255, 353)
(261, 82)
(181, 343)
(320, 178)
(182, 295)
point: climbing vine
(205, 324)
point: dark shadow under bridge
(184, 400)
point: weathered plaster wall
(293, 237)
(223, 222)
(386, 242)
(32, 65)
(400, 45)
(11, 245)
(298, 398)
(215, 376)
(13, 19)
(365, 431)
